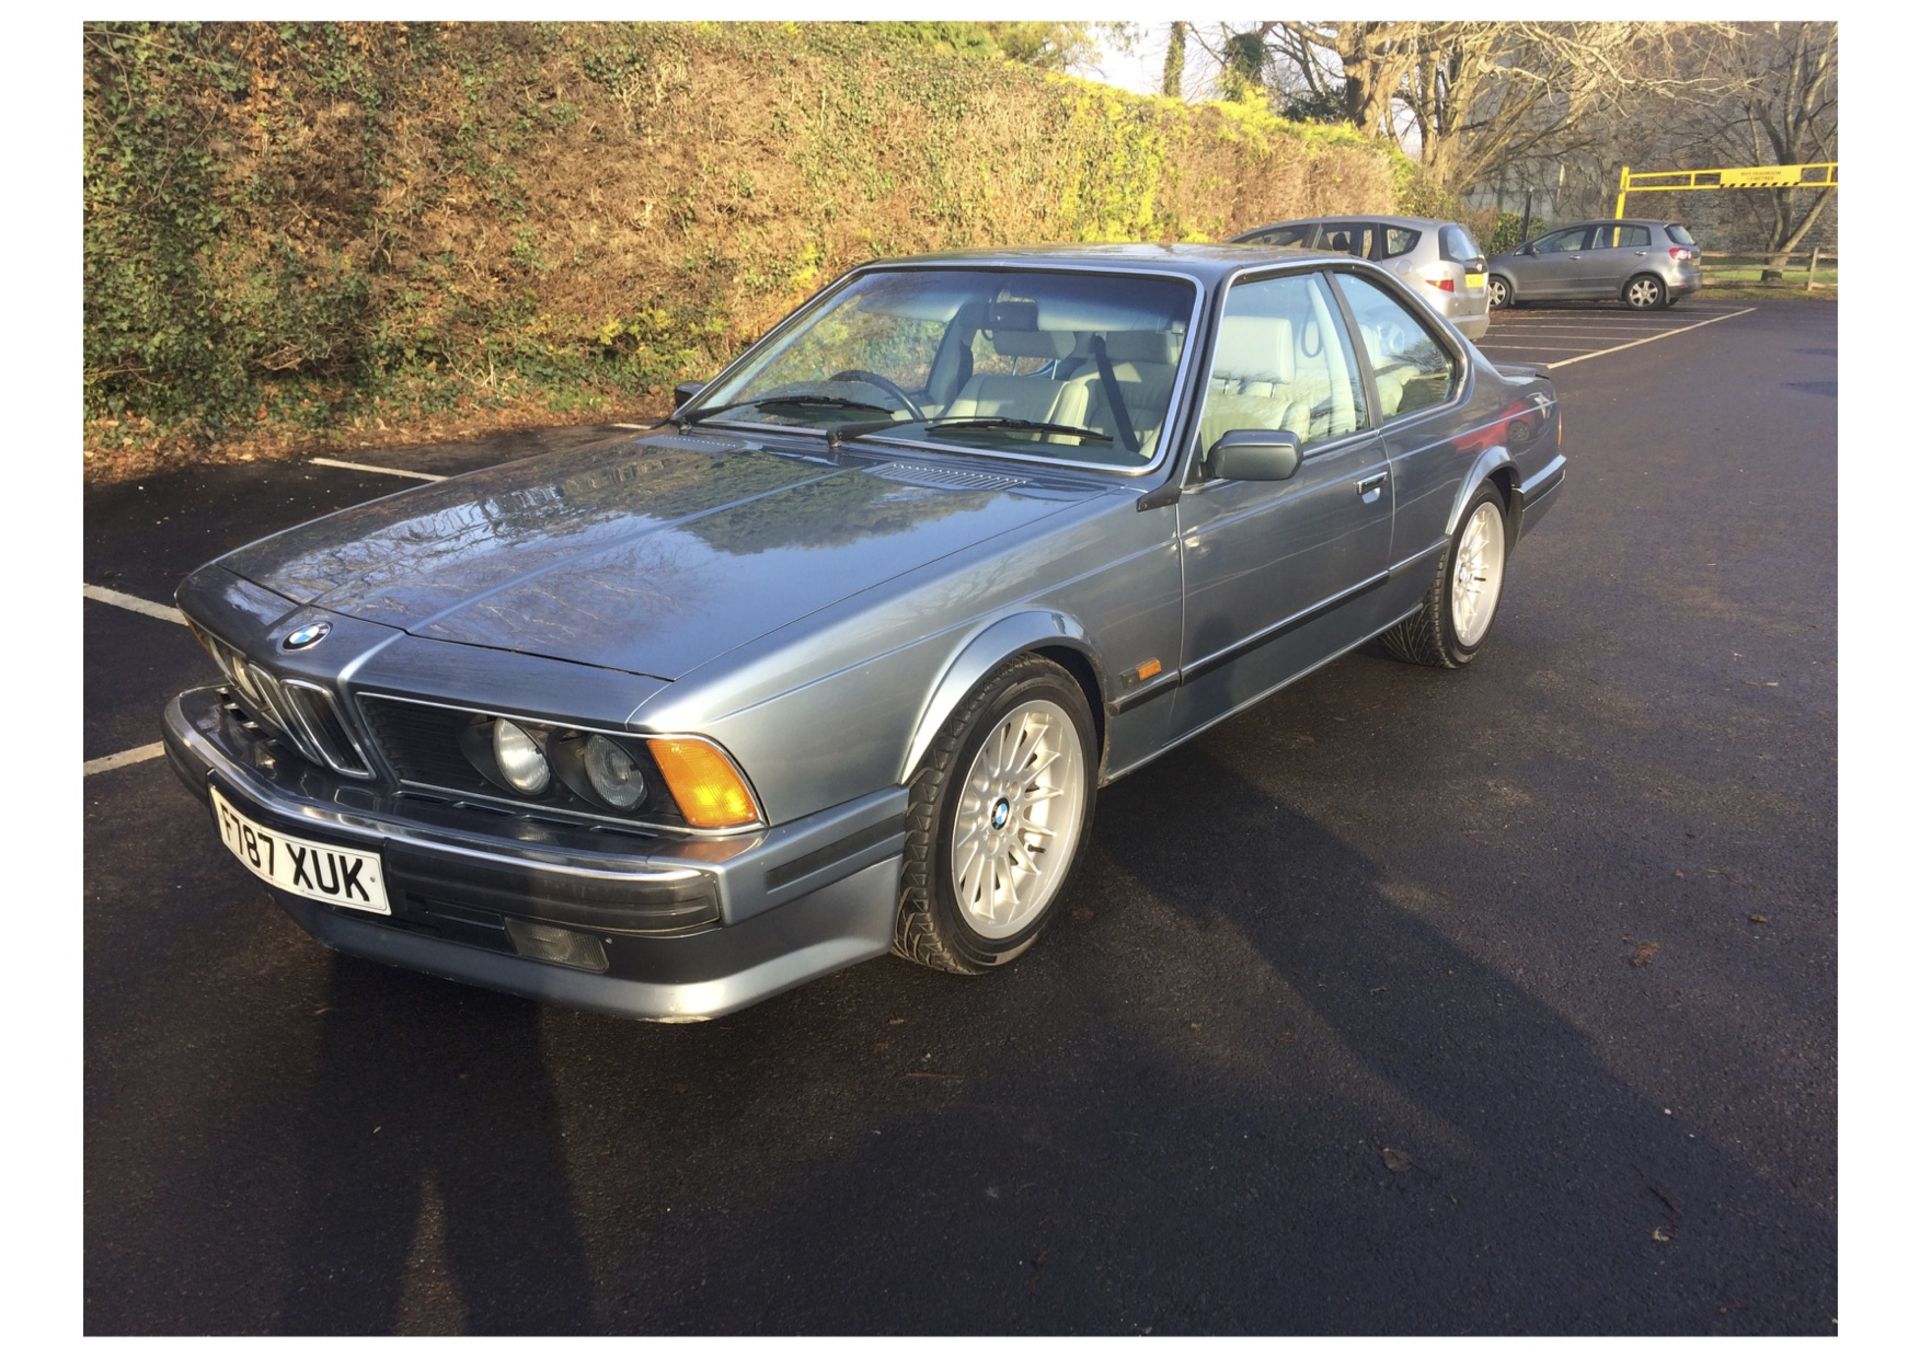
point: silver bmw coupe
(835, 661)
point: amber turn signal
(709, 790)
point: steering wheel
(885, 384)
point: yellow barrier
(1825, 175)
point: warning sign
(1761, 177)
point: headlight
(519, 758)
(614, 774)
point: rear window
(1399, 240)
(1458, 244)
(1679, 234)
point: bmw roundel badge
(310, 635)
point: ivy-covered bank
(309, 234)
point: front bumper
(691, 928)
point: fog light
(549, 943)
(519, 759)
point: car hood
(652, 555)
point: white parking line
(100, 594)
(139, 754)
(633, 426)
(1648, 339)
(368, 467)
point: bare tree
(1469, 98)
(1785, 110)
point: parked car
(1442, 260)
(837, 661)
(1646, 264)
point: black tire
(930, 928)
(1428, 637)
(1641, 297)
(1499, 293)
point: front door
(1557, 267)
(1280, 575)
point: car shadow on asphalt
(432, 1113)
(1384, 1133)
(1248, 1083)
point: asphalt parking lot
(1495, 1001)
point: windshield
(1076, 367)
(1679, 234)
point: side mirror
(1255, 455)
(1528, 249)
(686, 391)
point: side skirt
(1208, 725)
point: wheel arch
(1043, 632)
(1665, 291)
(1495, 465)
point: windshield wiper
(1022, 426)
(822, 401)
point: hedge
(339, 233)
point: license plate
(1476, 280)
(320, 872)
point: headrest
(1141, 346)
(1033, 343)
(1254, 349)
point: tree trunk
(1172, 75)
(1787, 238)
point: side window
(1629, 237)
(1560, 242)
(1399, 240)
(1282, 360)
(1411, 368)
(1346, 237)
(994, 356)
(1283, 235)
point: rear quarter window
(1398, 240)
(1679, 234)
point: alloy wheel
(1020, 812)
(1478, 568)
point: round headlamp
(519, 758)
(614, 774)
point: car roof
(1662, 222)
(1383, 218)
(1204, 263)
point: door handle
(1641, 253)
(1369, 487)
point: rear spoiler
(1519, 370)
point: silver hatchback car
(1646, 264)
(1441, 261)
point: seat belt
(1110, 385)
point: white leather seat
(1254, 380)
(1145, 363)
(1035, 397)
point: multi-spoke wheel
(1644, 292)
(1499, 292)
(1477, 567)
(1454, 619)
(1000, 809)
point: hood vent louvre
(946, 478)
